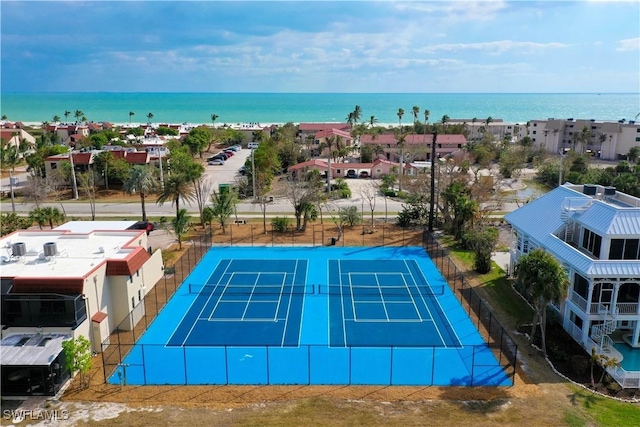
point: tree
(10, 222)
(368, 193)
(10, 157)
(142, 180)
(149, 117)
(176, 187)
(224, 204)
(78, 114)
(400, 113)
(546, 281)
(214, 117)
(56, 119)
(372, 121)
(66, 114)
(634, 154)
(180, 225)
(207, 216)
(131, 114)
(401, 137)
(52, 215)
(77, 352)
(37, 215)
(415, 111)
(303, 196)
(357, 113)
(482, 241)
(349, 215)
(202, 189)
(87, 182)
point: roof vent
(589, 190)
(50, 249)
(19, 249)
(609, 191)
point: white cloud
(628, 45)
(495, 47)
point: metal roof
(542, 218)
(31, 349)
(608, 220)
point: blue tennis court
(313, 315)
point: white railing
(607, 346)
(573, 330)
(626, 379)
(628, 307)
(578, 300)
(597, 331)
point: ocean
(265, 108)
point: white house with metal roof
(83, 278)
(594, 232)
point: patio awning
(34, 349)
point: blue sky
(305, 46)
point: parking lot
(227, 173)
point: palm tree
(473, 125)
(52, 215)
(149, 117)
(357, 113)
(10, 159)
(67, 113)
(78, 115)
(546, 281)
(400, 114)
(131, 114)
(177, 187)
(214, 117)
(487, 122)
(56, 119)
(401, 137)
(350, 119)
(372, 121)
(224, 205)
(142, 180)
(38, 216)
(180, 225)
(415, 111)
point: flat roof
(89, 226)
(31, 349)
(77, 253)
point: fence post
(473, 363)
(184, 360)
(231, 235)
(383, 229)
(104, 363)
(251, 235)
(144, 367)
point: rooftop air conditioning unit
(19, 249)
(50, 249)
(589, 190)
(609, 191)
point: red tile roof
(129, 265)
(315, 127)
(387, 138)
(309, 163)
(332, 132)
(99, 317)
(82, 158)
(137, 158)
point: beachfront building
(608, 140)
(305, 130)
(499, 129)
(594, 232)
(82, 278)
(416, 147)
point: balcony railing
(628, 307)
(578, 300)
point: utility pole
(74, 183)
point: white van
(253, 145)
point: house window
(133, 302)
(535, 125)
(138, 273)
(55, 165)
(338, 171)
(591, 242)
(139, 295)
(625, 249)
(525, 246)
(575, 319)
(534, 132)
(638, 139)
(459, 145)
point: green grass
(496, 285)
(605, 412)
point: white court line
(386, 313)
(415, 306)
(344, 320)
(284, 280)
(246, 307)
(194, 323)
(440, 305)
(426, 306)
(286, 321)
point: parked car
(351, 174)
(143, 225)
(229, 153)
(364, 174)
(242, 170)
(216, 162)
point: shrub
(280, 224)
